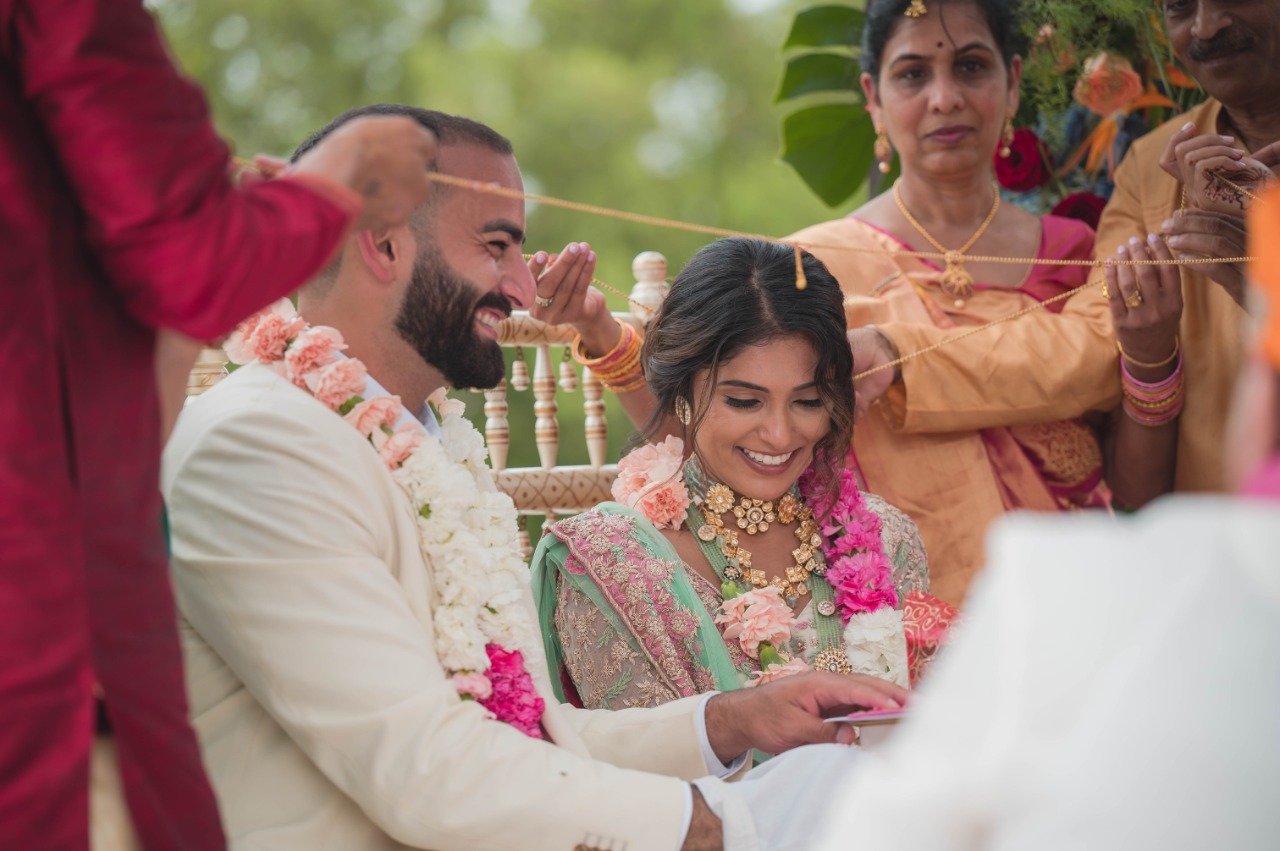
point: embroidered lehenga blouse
(627, 623)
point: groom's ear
(384, 251)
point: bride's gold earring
(884, 151)
(683, 413)
(1006, 149)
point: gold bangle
(1177, 347)
(626, 339)
(619, 370)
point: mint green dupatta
(625, 567)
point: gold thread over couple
(639, 218)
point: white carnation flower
(877, 645)
(459, 639)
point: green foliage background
(654, 106)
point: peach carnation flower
(777, 672)
(475, 685)
(1107, 84)
(265, 335)
(313, 348)
(649, 481)
(337, 382)
(445, 406)
(399, 445)
(756, 616)
(372, 414)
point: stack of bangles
(620, 369)
(1152, 404)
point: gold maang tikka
(916, 9)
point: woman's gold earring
(1006, 149)
(884, 151)
(683, 414)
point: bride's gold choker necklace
(754, 516)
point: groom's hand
(706, 833)
(788, 713)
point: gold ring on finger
(1133, 299)
(544, 302)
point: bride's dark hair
(736, 293)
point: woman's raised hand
(1146, 301)
(871, 350)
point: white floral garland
(467, 530)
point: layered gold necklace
(754, 516)
(956, 280)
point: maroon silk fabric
(116, 216)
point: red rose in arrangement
(1029, 164)
(1084, 206)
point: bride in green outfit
(740, 550)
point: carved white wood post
(546, 431)
(595, 425)
(650, 269)
(497, 431)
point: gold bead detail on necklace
(759, 514)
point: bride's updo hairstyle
(1003, 17)
(736, 293)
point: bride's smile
(763, 417)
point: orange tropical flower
(1107, 84)
(1177, 77)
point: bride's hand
(871, 349)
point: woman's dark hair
(1003, 18)
(736, 293)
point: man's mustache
(1224, 44)
(495, 301)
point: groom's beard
(438, 318)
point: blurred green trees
(661, 107)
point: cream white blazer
(325, 718)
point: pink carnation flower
(445, 406)
(863, 582)
(476, 685)
(514, 699)
(394, 448)
(265, 335)
(758, 615)
(777, 672)
(371, 415)
(649, 481)
(313, 348)
(334, 384)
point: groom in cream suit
(325, 716)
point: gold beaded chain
(754, 516)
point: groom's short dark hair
(448, 129)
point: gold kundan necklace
(754, 516)
(956, 280)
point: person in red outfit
(117, 217)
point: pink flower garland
(857, 568)
(650, 481)
(513, 698)
(311, 359)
